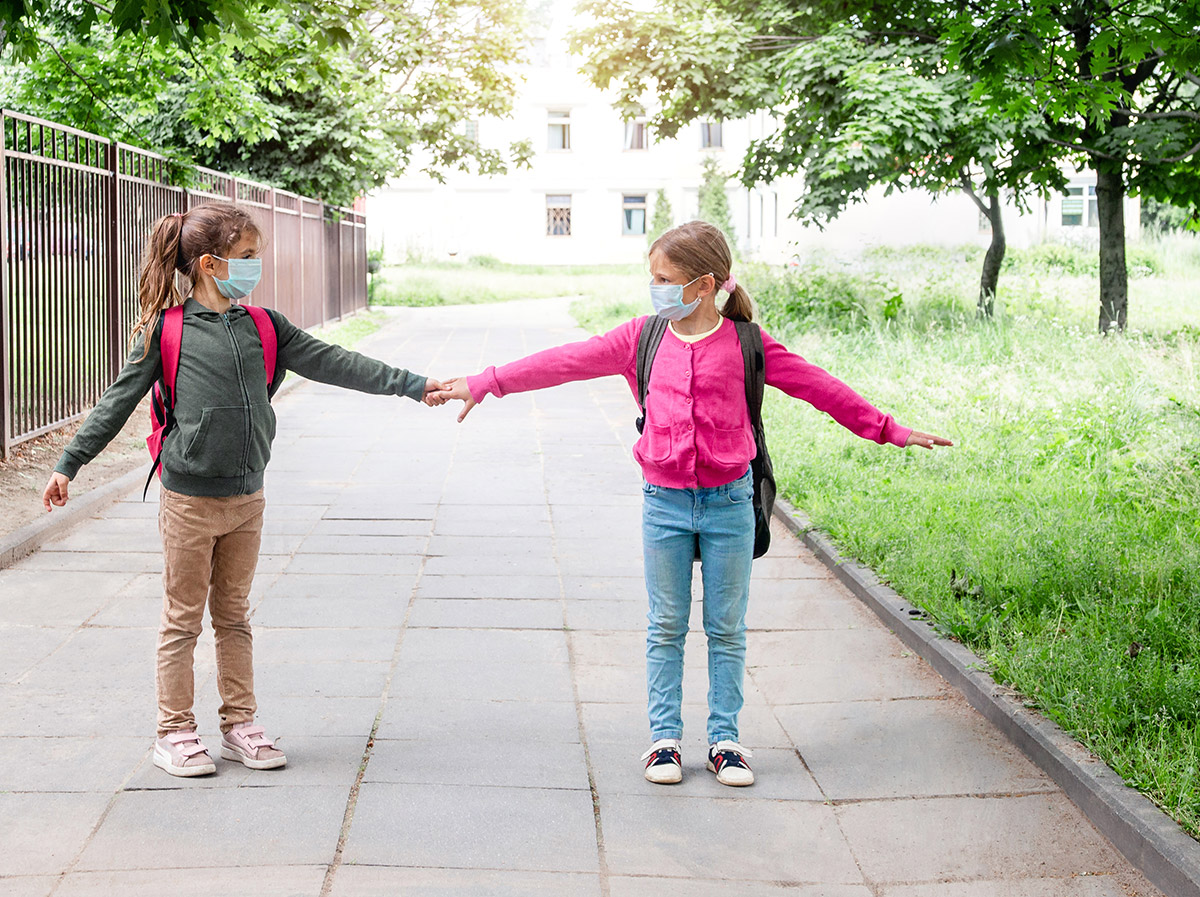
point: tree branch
(969, 189)
(88, 84)
(1170, 160)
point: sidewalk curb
(28, 539)
(1148, 838)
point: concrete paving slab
(23, 646)
(43, 832)
(28, 885)
(343, 527)
(604, 614)
(520, 546)
(472, 613)
(352, 565)
(795, 612)
(325, 543)
(330, 678)
(464, 646)
(869, 750)
(127, 562)
(65, 763)
(32, 597)
(958, 838)
(607, 588)
(338, 587)
(29, 712)
(269, 881)
(460, 585)
(792, 841)
(348, 612)
(491, 565)
(388, 881)
(485, 681)
(833, 680)
(1089, 886)
(652, 886)
(476, 760)
(218, 827)
(317, 645)
(502, 721)
(126, 657)
(316, 716)
(471, 827)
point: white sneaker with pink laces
(247, 744)
(181, 754)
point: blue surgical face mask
(244, 275)
(667, 299)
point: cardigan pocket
(656, 443)
(729, 447)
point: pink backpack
(162, 406)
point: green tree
(663, 218)
(859, 103)
(282, 103)
(1116, 88)
(714, 201)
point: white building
(588, 196)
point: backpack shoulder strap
(648, 340)
(168, 344)
(268, 337)
(750, 336)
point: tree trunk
(993, 259)
(1114, 279)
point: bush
(821, 296)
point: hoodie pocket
(222, 446)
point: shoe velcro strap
(182, 737)
(255, 736)
(192, 749)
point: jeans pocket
(649, 488)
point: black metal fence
(75, 213)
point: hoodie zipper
(237, 364)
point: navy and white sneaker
(664, 766)
(728, 760)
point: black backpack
(750, 336)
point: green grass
(1060, 537)
(473, 283)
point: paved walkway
(449, 636)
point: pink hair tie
(730, 285)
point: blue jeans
(723, 519)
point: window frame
(555, 216)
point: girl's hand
(925, 440)
(433, 393)
(56, 490)
(456, 388)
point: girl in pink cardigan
(695, 454)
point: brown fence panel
(76, 212)
(312, 262)
(54, 310)
(333, 265)
(285, 252)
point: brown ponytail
(698, 248)
(176, 244)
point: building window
(1072, 207)
(633, 214)
(710, 135)
(471, 131)
(558, 215)
(1093, 210)
(559, 136)
(635, 135)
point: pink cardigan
(698, 431)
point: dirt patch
(24, 473)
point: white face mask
(244, 275)
(667, 299)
